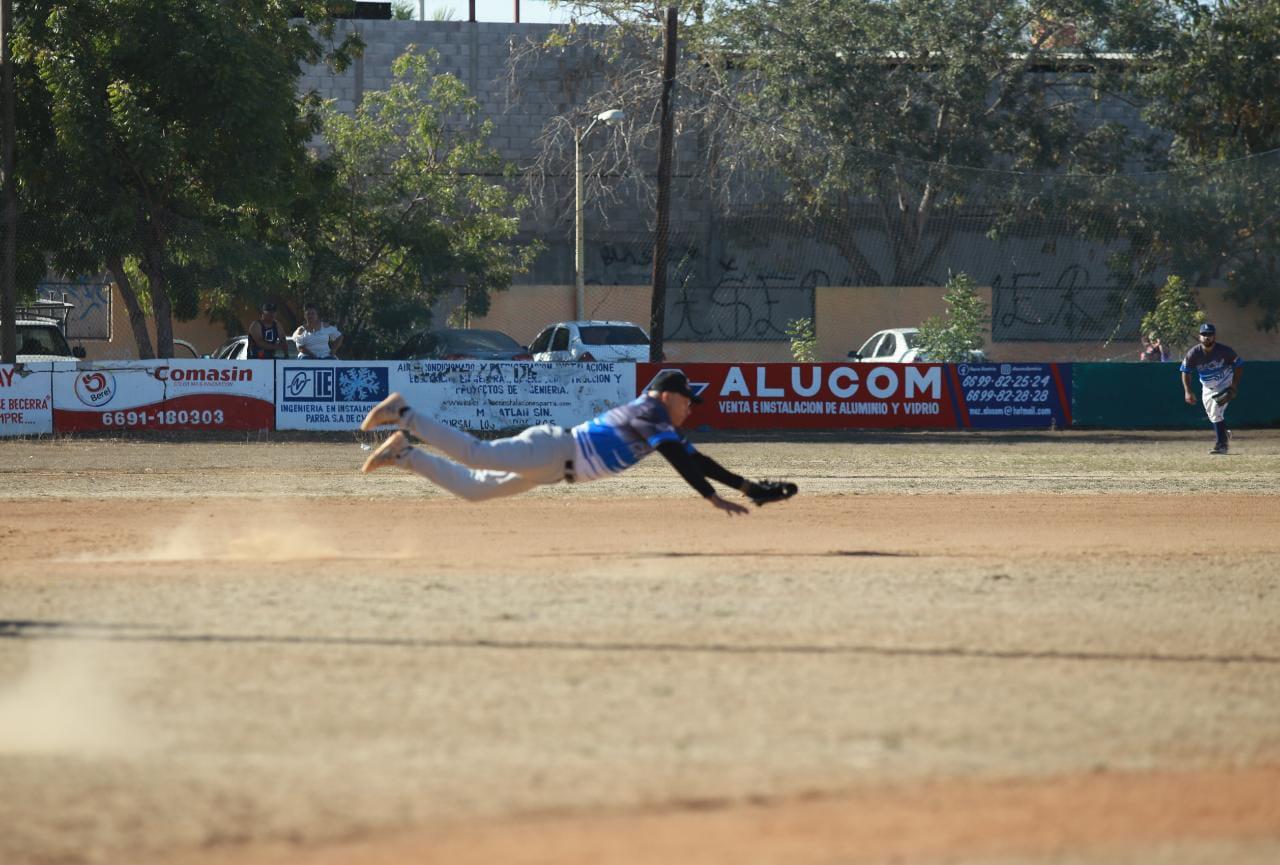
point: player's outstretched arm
(691, 470)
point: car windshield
(612, 334)
(487, 340)
(42, 339)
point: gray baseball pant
(478, 469)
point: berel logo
(95, 388)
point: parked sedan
(895, 345)
(462, 344)
(237, 348)
(900, 345)
(591, 340)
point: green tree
(953, 337)
(865, 108)
(875, 108)
(173, 130)
(413, 205)
(1209, 79)
(1176, 318)
(804, 344)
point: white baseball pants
(478, 469)
(1217, 413)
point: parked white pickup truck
(40, 339)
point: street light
(612, 116)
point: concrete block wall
(477, 53)
(766, 283)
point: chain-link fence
(1068, 264)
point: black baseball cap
(268, 307)
(1207, 328)
(673, 381)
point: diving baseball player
(1219, 368)
(608, 444)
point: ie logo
(309, 383)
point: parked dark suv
(462, 344)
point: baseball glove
(764, 492)
(1225, 396)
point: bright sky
(531, 11)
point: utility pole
(9, 267)
(658, 301)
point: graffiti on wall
(754, 296)
(90, 314)
(727, 299)
(1073, 307)
(743, 304)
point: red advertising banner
(164, 395)
(817, 395)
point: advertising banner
(817, 395)
(875, 396)
(26, 399)
(471, 395)
(164, 395)
(1013, 395)
(329, 394)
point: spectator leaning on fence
(315, 338)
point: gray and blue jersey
(615, 440)
(1215, 367)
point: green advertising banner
(1149, 396)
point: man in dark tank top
(266, 337)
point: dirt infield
(978, 650)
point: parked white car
(895, 345)
(237, 348)
(900, 345)
(591, 340)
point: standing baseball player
(1219, 368)
(608, 444)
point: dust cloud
(262, 533)
(67, 702)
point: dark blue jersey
(617, 439)
(1216, 367)
(270, 333)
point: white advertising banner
(164, 395)
(26, 399)
(471, 395)
(475, 395)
